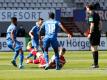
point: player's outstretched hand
(89, 35)
(69, 36)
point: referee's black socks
(95, 57)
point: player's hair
(40, 18)
(51, 15)
(63, 50)
(13, 19)
(90, 6)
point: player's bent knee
(10, 46)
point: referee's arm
(91, 27)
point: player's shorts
(35, 43)
(50, 41)
(95, 38)
(17, 45)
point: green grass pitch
(76, 68)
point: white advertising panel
(4, 47)
(24, 15)
(80, 43)
(75, 43)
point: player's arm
(91, 21)
(12, 36)
(91, 27)
(62, 27)
(31, 34)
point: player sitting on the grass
(41, 60)
(29, 45)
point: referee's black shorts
(95, 38)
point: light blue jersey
(35, 40)
(51, 28)
(11, 28)
(35, 31)
(14, 44)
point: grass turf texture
(76, 68)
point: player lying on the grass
(41, 60)
(62, 60)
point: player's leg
(46, 44)
(14, 58)
(95, 56)
(32, 53)
(21, 55)
(29, 55)
(10, 45)
(34, 49)
(29, 46)
(95, 41)
(55, 46)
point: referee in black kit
(95, 33)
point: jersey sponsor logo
(90, 19)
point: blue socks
(29, 55)
(57, 60)
(15, 55)
(21, 58)
(46, 57)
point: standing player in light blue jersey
(13, 43)
(34, 34)
(51, 28)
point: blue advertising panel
(79, 15)
(58, 15)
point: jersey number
(51, 28)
